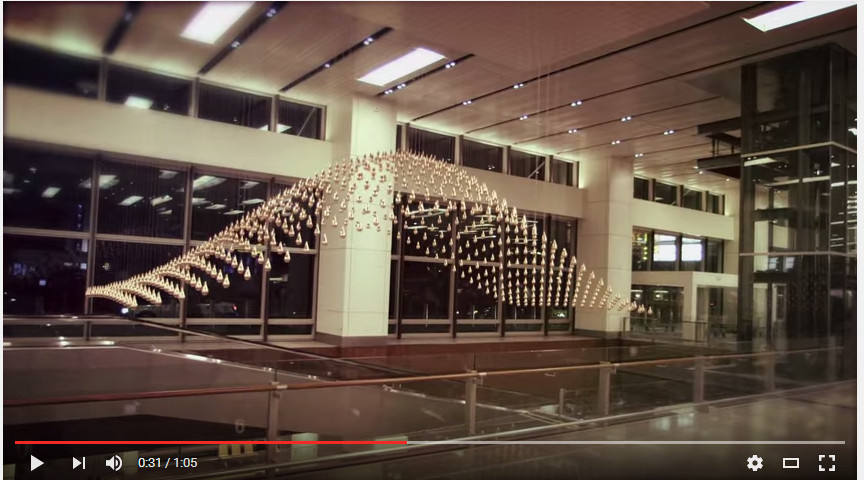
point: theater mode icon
(792, 462)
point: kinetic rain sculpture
(504, 252)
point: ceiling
(668, 65)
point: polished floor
(828, 414)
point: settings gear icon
(754, 463)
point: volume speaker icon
(114, 463)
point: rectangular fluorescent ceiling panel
(160, 200)
(214, 19)
(50, 192)
(759, 161)
(401, 67)
(206, 181)
(138, 102)
(130, 200)
(797, 12)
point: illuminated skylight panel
(138, 102)
(401, 67)
(797, 12)
(214, 19)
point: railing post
(604, 388)
(832, 359)
(471, 405)
(769, 372)
(561, 393)
(274, 399)
(699, 380)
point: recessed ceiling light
(213, 20)
(576, 103)
(572, 130)
(402, 66)
(450, 65)
(466, 102)
(616, 142)
(626, 119)
(638, 155)
(138, 102)
(368, 41)
(523, 117)
(518, 85)
(695, 167)
(668, 132)
(130, 200)
(797, 12)
(50, 192)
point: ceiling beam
(720, 161)
(369, 40)
(244, 35)
(119, 30)
(720, 126)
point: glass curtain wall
(78, 219)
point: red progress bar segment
(207, 442)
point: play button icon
(34, 463)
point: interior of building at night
(419, 240)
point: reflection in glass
(242, 298)
(140, 89)
(45, 190)
(665, 193)
(289, 286)
(666, 303)
(691, 254)
(715, 203)
(561, 172)
(482, 156)
(425, 290)
(439, 146)
(641, 188)
(118, 261)
(298, 119)
(714, 256)
(230, 106)
(43, 276)
(691, 199)
(665, 252)
(46, 70)
(135, 199)
(427, 233)
(527, 165)
(473, 302)
(640, 262)
(218, 201)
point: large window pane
(298, 119)
(230, 106)
(691, 199)
(394, 281)
(715, 203)
(527, 165)
(140, 200)
(425, 290)
(474, 298)
(427, 233)
(481, 156)
(714, 256)
(139, 89)
(665, 193)
(563, 232)
(561, 172)
(641, 188)
(47, 70)
(640, 251)
(43, 276)
(665, 252)
(441, 147)
(218, 201)
(290, 286)
(116, 261)
(46, 190)
(242, 298)
(692, 253)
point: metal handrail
(385, 381)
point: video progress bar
(628, 442)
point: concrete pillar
(354, 272)
(605, 235)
